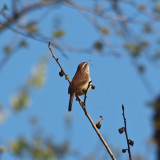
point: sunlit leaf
(19, 146)
(129, 46)
(38, 148)
(20, 101)
(38, 76)
(136, 49)
(59, 33)
(32, 27)
(105, 31)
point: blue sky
(116, 80)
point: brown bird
(79, 83)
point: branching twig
(84, 109)
(124, 129)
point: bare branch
(19, 14)
(124, 129)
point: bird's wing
(77, 82)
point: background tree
(124, 31)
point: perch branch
(85, 111)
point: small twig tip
(122, 107)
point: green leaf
(32, 27)
(8, 49)
(23, 43)
(129, 46)
(105, 30)
(157, 9)
(136, 49)
(59, 33)
(20, 101)
(147, 29)
(67, 77)
(38, 76)
(19, 146)
(98, 46)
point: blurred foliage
(141, 68)
(98, 46)
(38, 148)
(23, 43)
(36, 80)
(3, 149)
(8, 49)
(136, 49)
(59, 33)
(105, 30)
(138, 157)
(21, 100)
(38, 76)
(156, 121)
(32, 27)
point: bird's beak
(89, 62)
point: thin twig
(125, 129)
(85, 111)
(57, 61)
(99, 120)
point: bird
(80, 83)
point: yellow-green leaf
(8, 49)
(20, 101)
(105, 30)
(23, 43)
(59, 33)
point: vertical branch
(84, 109)
(124, 129)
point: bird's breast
(83, 88)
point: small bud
(131, 142)
(61, 73)
(124, 150)
(93, 87)
(98, 125)
(67, 77)
(121, 130)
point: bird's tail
(71, 101)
